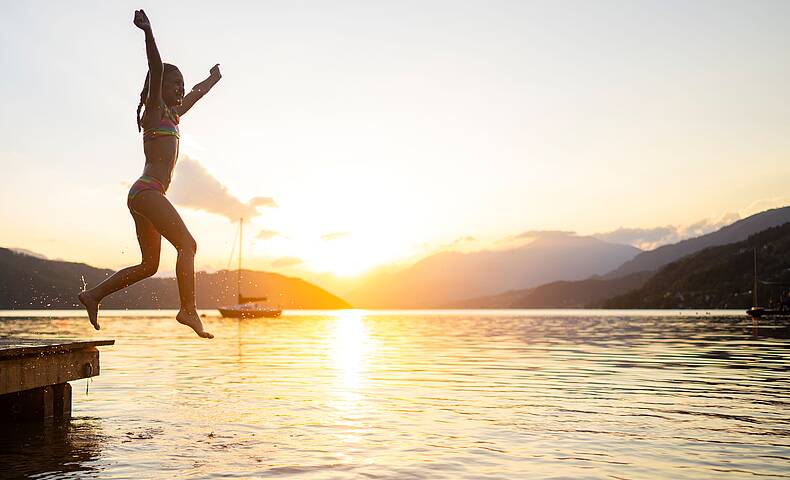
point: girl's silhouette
(153, 214)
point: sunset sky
(385, 131)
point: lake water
(450, 394)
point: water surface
(453, 394)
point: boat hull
(236, 312)
(759, 312)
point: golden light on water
(349, 350)
(420, 394)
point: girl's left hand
(214, 72)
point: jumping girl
(153, 214)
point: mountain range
(541, 270)
(735, 232)
(634, 274)
(718, 277)
(590, 293)
(449, 277)
(32, 282)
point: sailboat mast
(238, 272)
(754, 290)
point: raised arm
(199, 90)
(155, 69)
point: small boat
(248, 307)
(782, 306)
(783, 303)
(759, 312)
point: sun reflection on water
(349, 351)
(348, 356)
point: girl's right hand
(141, 20)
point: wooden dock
(34, 376)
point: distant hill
(449, 277)
(717, 277)
(589, 293)
(28, 282)
(738, 231)
(631, 275)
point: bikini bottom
(142, 184)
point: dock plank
(28, 372)
(34, 375)
(17, 347)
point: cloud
(29, 253)
(638, 237)
(459, 243)
(196, 188)
(262, 202)
(651, 238)
(335, 236)
(267, 234)
(465, 239)
(706, 226)
(286, 262)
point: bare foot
(192, 320)
(92, 306)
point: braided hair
(144, 93)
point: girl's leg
(163, 216)
(150, 243)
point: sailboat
(782, 309)
(248, 307)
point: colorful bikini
(168, 127)
(146, 182)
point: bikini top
(168, 126)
